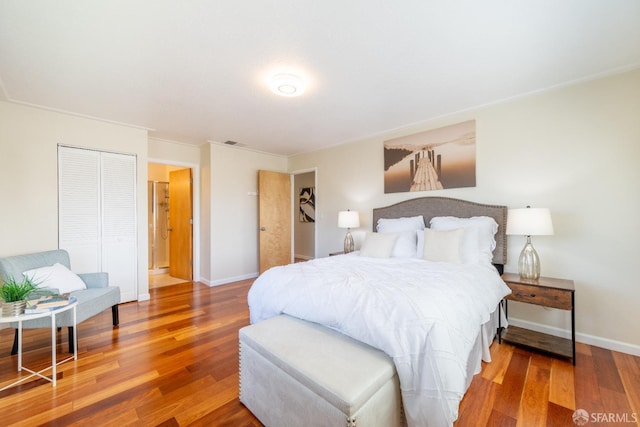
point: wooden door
(181, 224)
(274, 219)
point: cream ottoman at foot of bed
(298, 373)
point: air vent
(231, 142)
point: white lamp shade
(348, 219)
(529, 222)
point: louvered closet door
(97, 214)
(79, 207)
(119, 252)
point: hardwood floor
(173, 361)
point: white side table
(54, 363)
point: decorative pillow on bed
(479, 236)
(443, 246)
(56, 276)
(406, 245)
(378, 245)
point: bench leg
(14, 349)
(114, 314)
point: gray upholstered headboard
(429, 207)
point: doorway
(304, 218)
(170, 204)
(158, 214)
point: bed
(428, 298)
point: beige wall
(161, 151)
(574, 150)
(29, 138)
(233, 215)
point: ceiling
(196, 71)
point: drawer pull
(519, 295)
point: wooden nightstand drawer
(556, 298)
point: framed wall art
(432, 160)
(307, 201)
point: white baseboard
(607, 343)
(144, 297)
(226, 280)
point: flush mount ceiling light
(287, 85)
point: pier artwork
(425, 171)
(432, 160)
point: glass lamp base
(348, 243)
(529, 262)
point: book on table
(48, 302)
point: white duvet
(425, 315)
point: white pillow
(443, 246)
(378, 245)
(56, 276)
(406, 245)
(479, 236)
(396, 225)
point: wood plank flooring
(173, 361)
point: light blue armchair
(96, 298)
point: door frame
(294, 199)
(195, 169)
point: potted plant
(14, 295)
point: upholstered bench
(97, 296)
(298, 373)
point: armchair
(97, 297)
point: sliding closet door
(97, 214)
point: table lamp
(348, 219)
(529, 222)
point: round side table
(52, 312)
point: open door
(181, 224)
(274, 219)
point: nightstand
(547, 292)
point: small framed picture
(307, 201)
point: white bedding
(425, 315)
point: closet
(97, 214)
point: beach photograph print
(436, 159)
